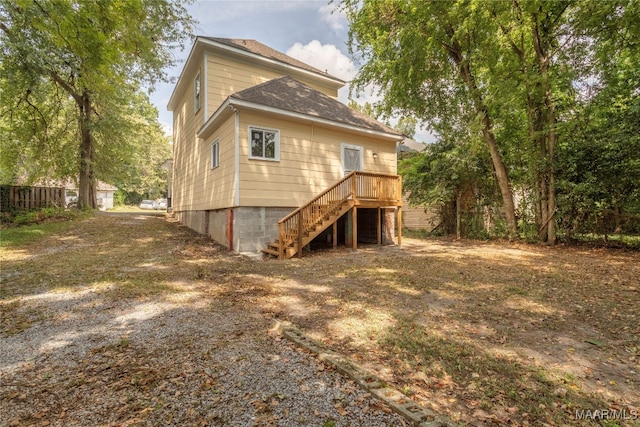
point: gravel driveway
(112, 323)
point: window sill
(264, 158)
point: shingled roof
(286, 93)
(257, 48)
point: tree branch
(66, 86)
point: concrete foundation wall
(195, 220)
(255, 227)
(218, 226)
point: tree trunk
(542, 187)
(502, 176)
(457, 55)
(551, 189)
(548, 136)
(458, 214)
(86, 184)
(617, 217)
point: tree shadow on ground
(481, 332)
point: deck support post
(399, 193)
(334, 239)
(281, 243)
(399, 225)
(355, 227)
(379, 227)
(300, 219)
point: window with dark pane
(215, 154)
(264, 144)
(257, 143)
(196, 93)
(269, 145)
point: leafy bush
(21, 218)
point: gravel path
(87, 358)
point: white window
(352, 158)
(196, 93)
(264, 144)
(215, 154)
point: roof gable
(249, 49)
(288, 94)
(257, 48)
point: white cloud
(325, 57)
(333, 16)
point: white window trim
(352, 147)
(215, 159)
(277, 147)
(197, 93)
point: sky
(312, 31)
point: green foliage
(131, 147)
(447, 173)
(22, 227)
(70, 94)
(554, 84)
(367, 109)
(119, 198)
(407, 126)
(599, 175)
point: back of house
(257, 134)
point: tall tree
(599, 173)
(535, 81)
(407, 126)
(518, 67)
(426, 58)
(94, 52)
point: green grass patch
(609, 240)
(21, 228)
(416, 234)
(20, 236)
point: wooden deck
(356, 190)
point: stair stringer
(290, 250)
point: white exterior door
(352, 158)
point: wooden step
(271, 252)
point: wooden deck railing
(356, 186)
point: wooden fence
(14, 197)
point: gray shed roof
(408, 145)
(286, 93)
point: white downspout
(236, 158)
(205, 114)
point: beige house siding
(203, 188)
(228, 75)
(196, 186)
(186, 121)
(310, 161)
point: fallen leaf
(594, 342)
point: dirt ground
(486, 333)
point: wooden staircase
(304, 224)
